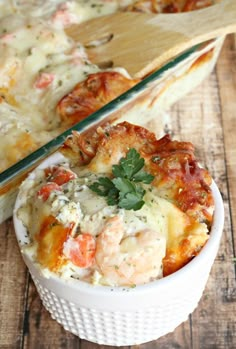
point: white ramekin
(119, 315)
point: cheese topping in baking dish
(40, 65)
(123, 209)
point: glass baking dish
(143, 105)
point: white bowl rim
(212, 243)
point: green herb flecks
(125, 188)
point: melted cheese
(39, 64)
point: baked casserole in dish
(48, 84)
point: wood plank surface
(206, 117)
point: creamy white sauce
(35, 47)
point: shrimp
(80, 250)
(44, 80)
(128, 260)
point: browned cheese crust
(92, 94)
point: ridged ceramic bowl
(120, 315)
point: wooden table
(206, 117)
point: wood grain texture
(155, 39)
(13, 289)
(207, 118)
(226, 72)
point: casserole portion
(120, 208)
(39, 65)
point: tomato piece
(59, 175)
(44, 80)
(51, 239)
(44, 192)
(64, 16)
(81, 250)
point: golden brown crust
(178, 177)
(181, 253)
(92, 94)
(50, 240)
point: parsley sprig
(124, 189)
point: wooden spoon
(142, 42)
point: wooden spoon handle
(178, 32)
(143, 42)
